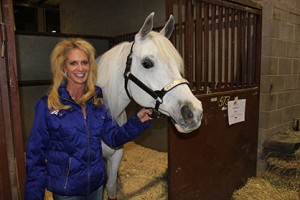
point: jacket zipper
(89, 154)
(89, 150)
(68, 173)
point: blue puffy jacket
(64, 151)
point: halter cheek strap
(158, 94)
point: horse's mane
(109, 65)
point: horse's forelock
(168, 51)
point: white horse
(148, 71)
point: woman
(64, 151)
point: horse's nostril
(186, 113)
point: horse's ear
(147, 26)
(168, 28)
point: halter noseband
(157, 94)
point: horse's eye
(147, 63)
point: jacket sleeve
(35, 154)
(114, 135)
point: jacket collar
(64, 94)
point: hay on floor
(280, 182)
(287, 169)
(142, 174)
(259, 188)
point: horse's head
(157, 64)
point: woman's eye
(85, 62)
(147, 63)
(73, 63)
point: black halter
(158, 94)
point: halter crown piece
(157, 94)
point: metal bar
(169, 8)
(254, 46)
(201, 45)
(191, 38)
(232, 48)
(226, 40)
(238, 52)
(180, 25)
(206, 45)
(243, 63)
(249, 51)
(198, 48)
(169, 11)
(188, 53)
(213, 48)
(220, 47)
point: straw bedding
(280, 182)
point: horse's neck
(112, 64)
(117, 107)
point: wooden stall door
(220, 42)
(218, 158)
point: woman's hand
(144, 114)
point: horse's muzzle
(189, 119)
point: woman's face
(77, 67)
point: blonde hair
(58, 61)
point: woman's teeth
(80, 75)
